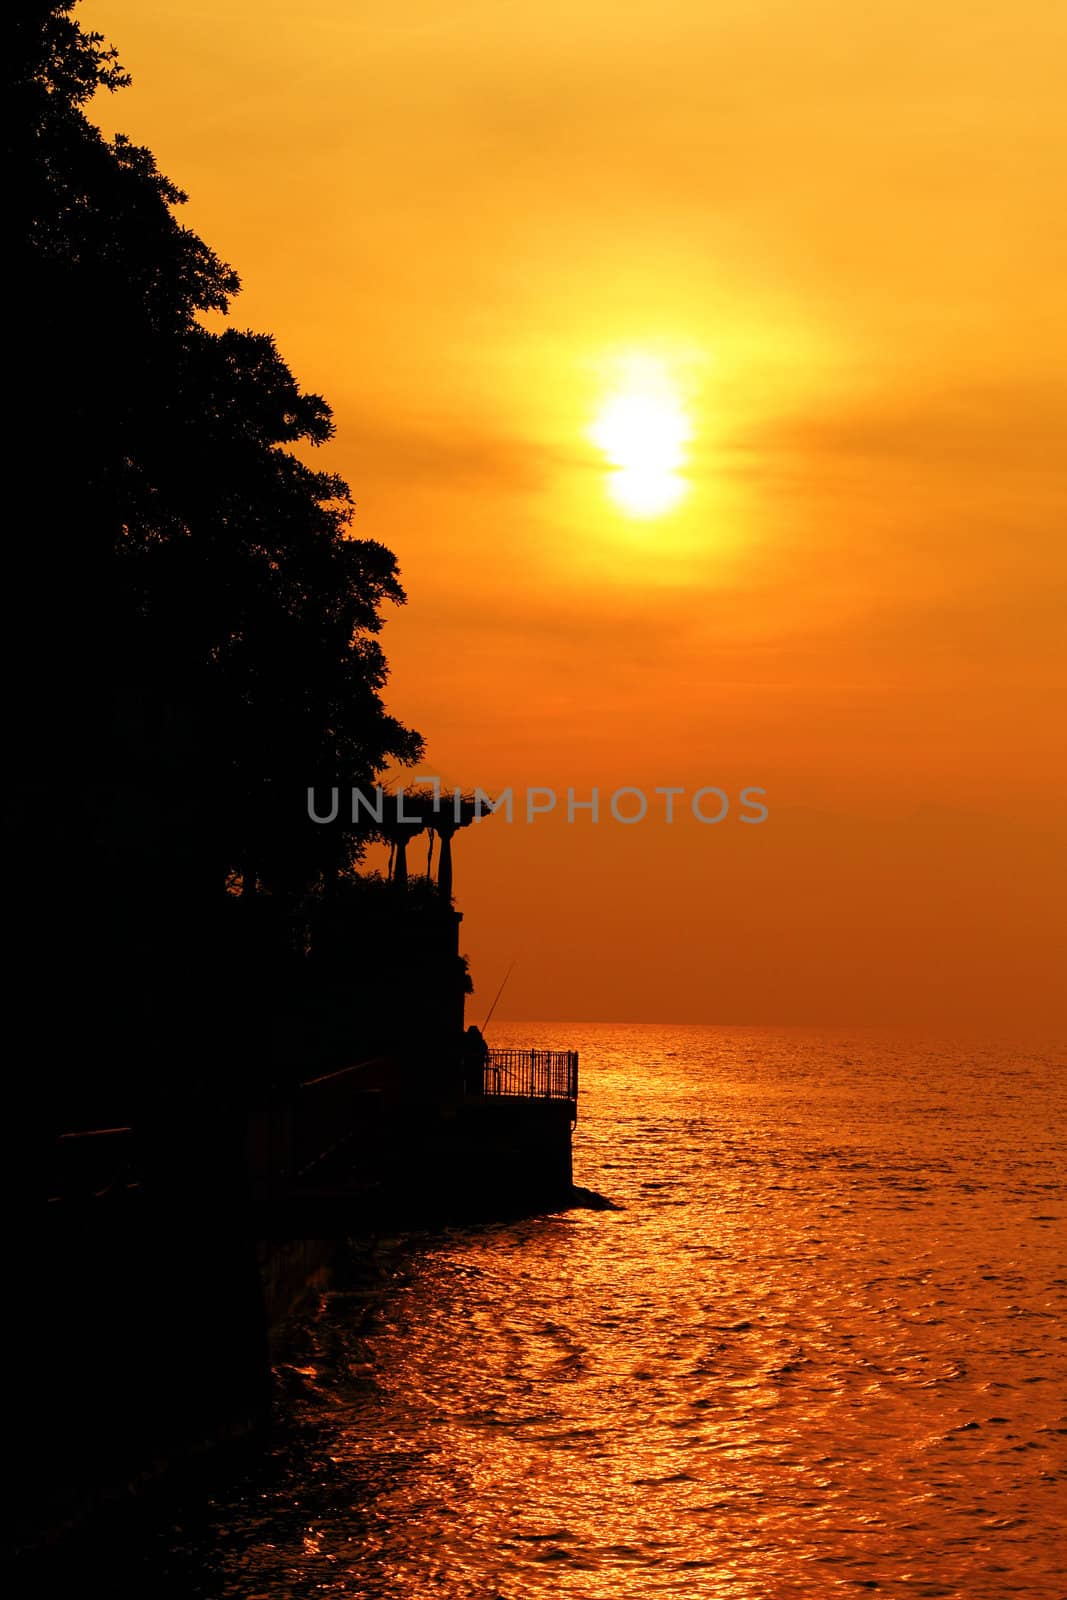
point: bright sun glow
(643, 430)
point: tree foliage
(193, 614)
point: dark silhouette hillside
(231, 1045)
(192, 629)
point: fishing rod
(499, 992)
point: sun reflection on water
(809, 1355)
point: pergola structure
(406, 815)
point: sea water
(820, 1350)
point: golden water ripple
(820, 1352)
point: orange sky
(838, 231)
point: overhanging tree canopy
(192, 609)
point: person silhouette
(475, 1060)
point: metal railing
(532, 1074)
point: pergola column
(400, 859)
(444, 829)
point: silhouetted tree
(192, 637)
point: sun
(642, 428)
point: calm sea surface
(822, 1351)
